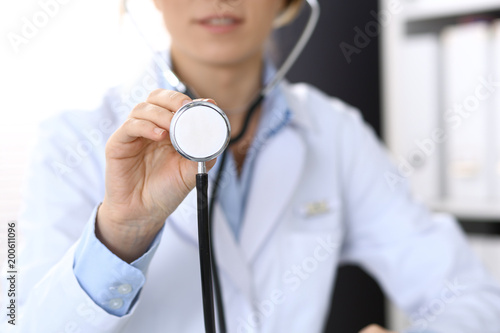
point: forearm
(127, 241)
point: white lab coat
(319, 196)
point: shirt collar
(279, 105)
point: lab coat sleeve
(65, 183)
(112, 283)
(421, 260)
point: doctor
(109, 228)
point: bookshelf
(418, 20)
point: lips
(220, 24)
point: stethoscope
(200, 131)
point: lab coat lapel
(277, 172)
(229, 256)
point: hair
(289, 13)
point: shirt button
(124, 289)
(115, 303)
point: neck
(232, 86)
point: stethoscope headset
(207, 145)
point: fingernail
(159, 131)
(186, 101)
(210, 101)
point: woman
(111, 226)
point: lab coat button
(125, 289)
(115, 303)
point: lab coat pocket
(308, 256)
(315, 229)
(321, 216)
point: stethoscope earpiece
(200, 131)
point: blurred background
(424, 73)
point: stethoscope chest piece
(200, 131)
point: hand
(374, 329)
(146, 178)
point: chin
(226, 56)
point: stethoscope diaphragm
(200, 131)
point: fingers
(168, 99)
(134, 128)
(160, 116)
(172, 100)
(154, 113)
(151, 119)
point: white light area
(83, 49)
(201, 131)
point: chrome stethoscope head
(200, 131)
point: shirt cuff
(109, 281)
